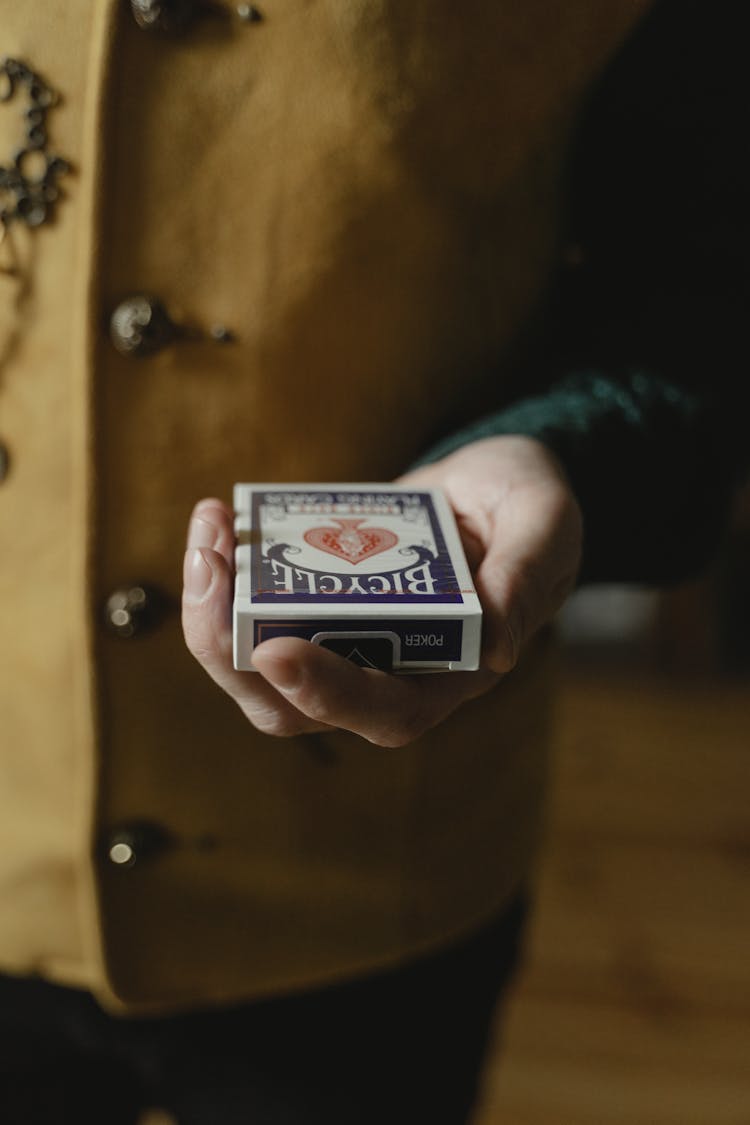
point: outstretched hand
(521, 529)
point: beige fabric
(365, 193)
(45, 710)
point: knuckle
(409, 727)
(395, 740)
(201, 646)
(271, 721)
(520, 591)
(514, 630)
(197, 642)
(202, 654)
(326, 704)
(207, 643)
(312, 704)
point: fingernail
(201, 533)
(197, 574)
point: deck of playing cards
(374, 572)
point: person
(325, 242)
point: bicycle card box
(374, 572)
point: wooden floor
(634, 1005)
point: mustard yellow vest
(348, 209)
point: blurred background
(633, 1007)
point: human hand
(521, 529)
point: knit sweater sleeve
(647, 460)
(646, 399)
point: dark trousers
(404, 1046)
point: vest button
(248, 13)
(168, 16)
(133, 610)
(140, 326)
(132, 843)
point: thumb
(529, 568)
(206, 617)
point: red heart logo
(349, 541)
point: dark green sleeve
(652, 428)
(646, 460)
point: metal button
(4, 462)
(140, 326)
(248, 13)
(132, 843)
(168, 16)
(174, 16)
(133, 610)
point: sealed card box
(375, 572)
